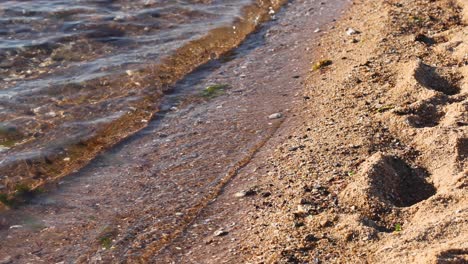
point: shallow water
(95, 38)
(78, 76)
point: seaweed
(214, 90)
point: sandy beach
(336, 133)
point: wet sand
(142, 200)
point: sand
(380, 175)
(367, 165)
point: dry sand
(375, 169)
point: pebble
(293, 148)
(244, 193)
(310, 238)
(119, 18)
(239, 194)
(324, 223)
(51, 114)
(351, 31)
(275, 116)
(220, 232)
(16, 226)
(304, 208)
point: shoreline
(367, 163)
(139, 197)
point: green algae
(214, 90)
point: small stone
(239, 194)
(293, 148)
(66, 159)
(119, 18)
(51, 114)
(245, 193)
(351, 31)
(324, 223)
(317, 30)
(304, 208)
(310, 238)
(179, 214)
(16, 226)
(298, 224)
(221, 232)
(275, 116)
(36, 110)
